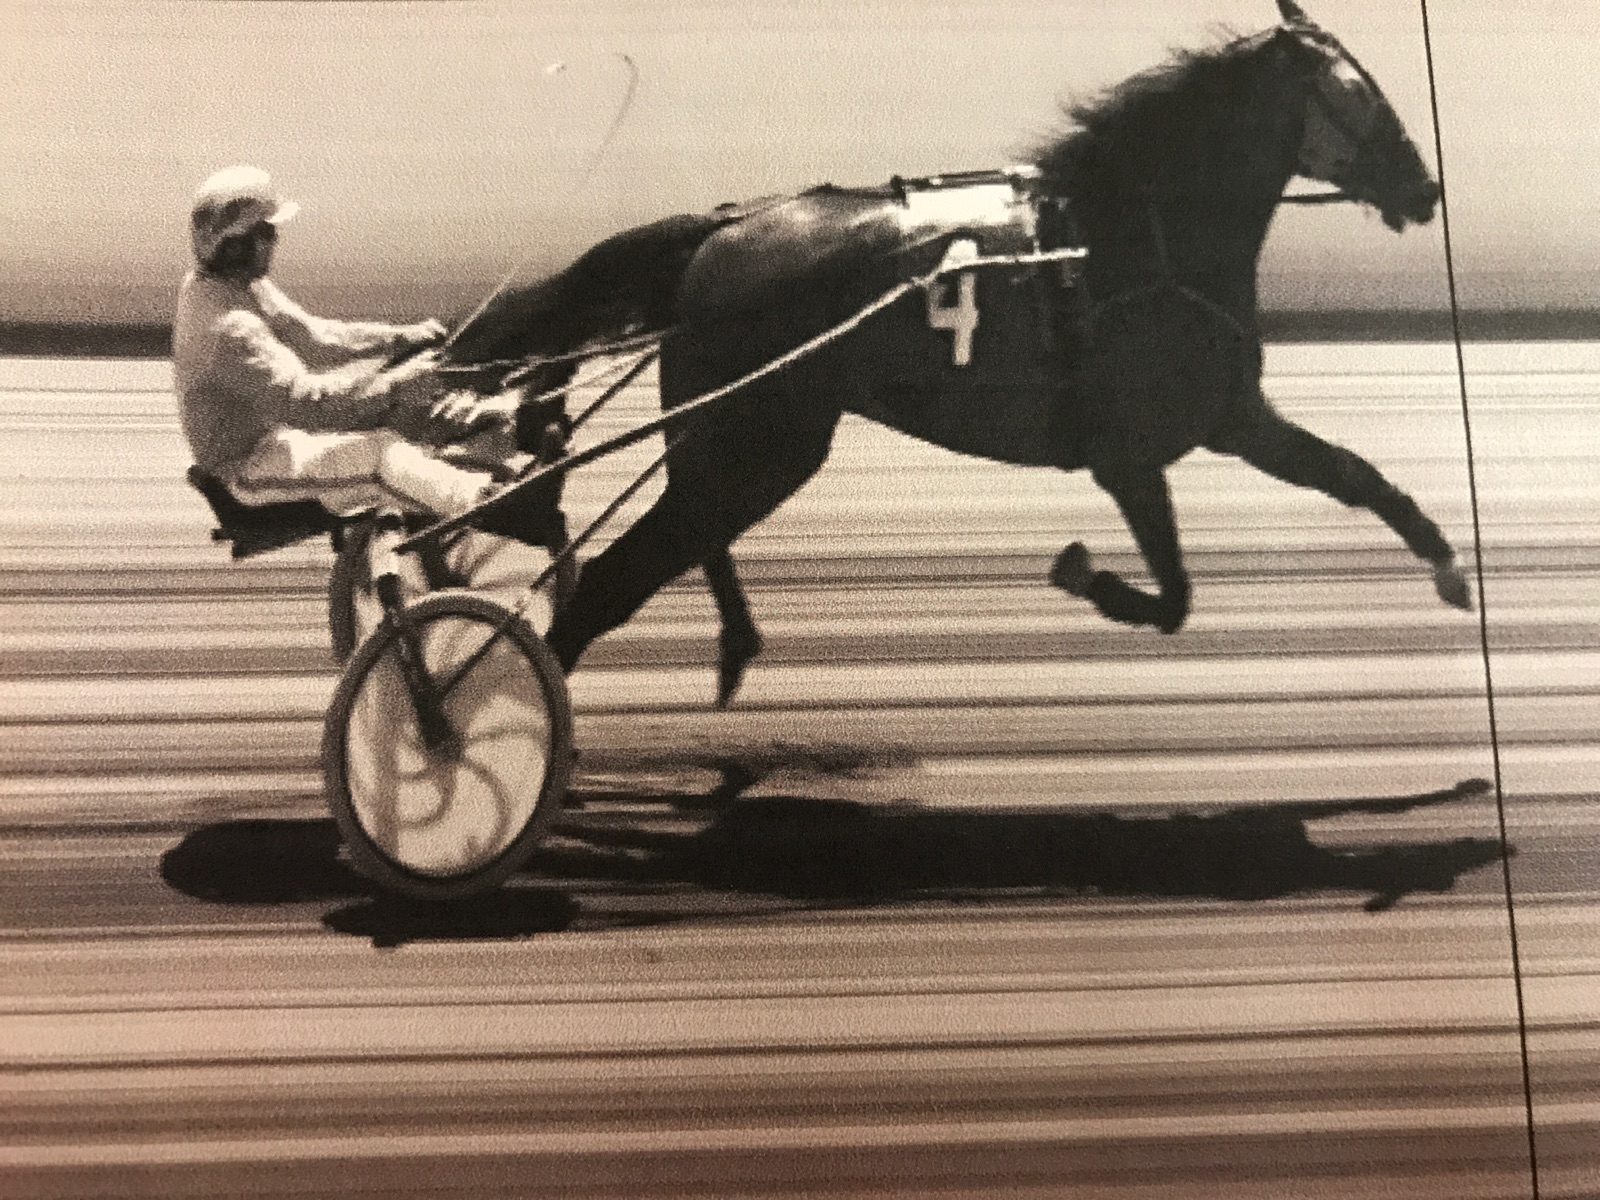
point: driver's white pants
(351, 472)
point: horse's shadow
(795, 852)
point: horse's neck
(1198, 220)
(1183, 235)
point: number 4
(960, 317)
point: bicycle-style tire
(432, 824)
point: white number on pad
(961, 317)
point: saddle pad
(976, 200)
(979, 364)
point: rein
(1167, 283)
(1333, 197)
(1336, 119)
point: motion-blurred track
(971, 893)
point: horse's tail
(623, 286)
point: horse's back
(624, 285)
(816, 242)
(977, 364)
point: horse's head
(1353, 139)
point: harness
(1166, 281)
(1336, 120)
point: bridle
(1336, 120)
(1334, 196)
(1166, 282)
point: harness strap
(1333, 197)
(807, 348)
(1167, 282)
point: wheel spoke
(450, 684)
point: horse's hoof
(1072, 572)
(735, 656)
(729, 677)
(1451, 583)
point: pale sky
(433, 152)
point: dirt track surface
(970, 893)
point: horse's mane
(1118, 124)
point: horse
(1170, 179)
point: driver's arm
(295, 326)
(276, 382)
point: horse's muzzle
(1417, 208)
(1424, 203)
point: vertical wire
(1483, 616)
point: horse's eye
(1346, 93)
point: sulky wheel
(353, 609)
(460, 816)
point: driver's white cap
(232, 201)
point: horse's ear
(1298, 49)
(1293, 14)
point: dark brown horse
(1171, 179)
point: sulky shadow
(298, 861)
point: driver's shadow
(835, 853)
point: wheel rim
(435, 814)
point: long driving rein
(1166, 281)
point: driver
(282, 405)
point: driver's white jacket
(280, 405)
(247, 359)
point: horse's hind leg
(740, 640)
(683, 528)
(733, 468)
(1141, 494)
(657, 548)
(1284, 450)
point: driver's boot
(531, 515)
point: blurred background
(434, 149)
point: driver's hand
(425, 333)
(418, 366)
(457, 414)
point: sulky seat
(257, 528)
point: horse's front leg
(1146, 505)
(1285, 451)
